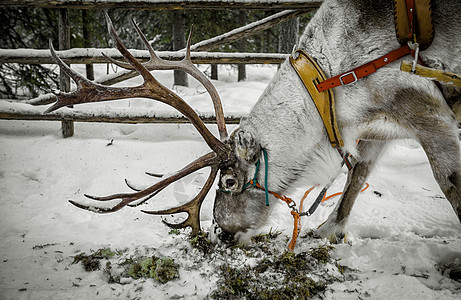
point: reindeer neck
(286, 123)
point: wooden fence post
(67, 126)
(179, 42)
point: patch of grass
(161, 269)
(175, 231)
(234, 282)
(143, 268)
(282, 276)
(322, 253)
(88, 261)
(92, 262)
(166, 270)
(105, 253)
(202, 243)
(261, 238)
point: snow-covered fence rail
(166, 4)
(20, 111)
(94, 55)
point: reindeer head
(237, 207)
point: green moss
(202, 243)
(89, 263)
(283, 276)
(174, 231)
(143, 268)
(166, 269)
(236, 281)
(104, 253)
(92, 262)
(161, 269)
(261, 238)
(322, 253)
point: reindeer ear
(247, 148)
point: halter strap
(254, 181)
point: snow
(24, 53)
(404, 237)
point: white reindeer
(286, 126)
(386, 105)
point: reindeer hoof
(335, 233)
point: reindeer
(285, 127)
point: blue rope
(255, 177)
(266, 171)
(254, 181)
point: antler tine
(136, 64)
(188, 57)
(217, 104)
(79, 79)
(206, 160)
(147, 198)
(63, 98)
(192, 208)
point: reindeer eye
(230, 182)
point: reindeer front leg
(335, 227)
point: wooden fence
(92, 55)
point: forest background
(166, 30)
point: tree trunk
(179, 42)
(288, 35)
(67, 127)
(242, 74)
(87, 37)
(214, 71)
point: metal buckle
(346, 74)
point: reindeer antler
(88, 91)
(186, 65)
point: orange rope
(294, 212)
(297, 221)
(304, 198)
(337, 194)
(296, 230)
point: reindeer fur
(386, 105)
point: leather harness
(414, 18)
(414, 30)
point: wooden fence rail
(109, 118)
(166, 4)
(95, 55)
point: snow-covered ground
(404, 238)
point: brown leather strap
(311, 74)
(364, 70)
(410, 16)
(413, 19)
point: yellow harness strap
(311, 75)
(441, 76)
